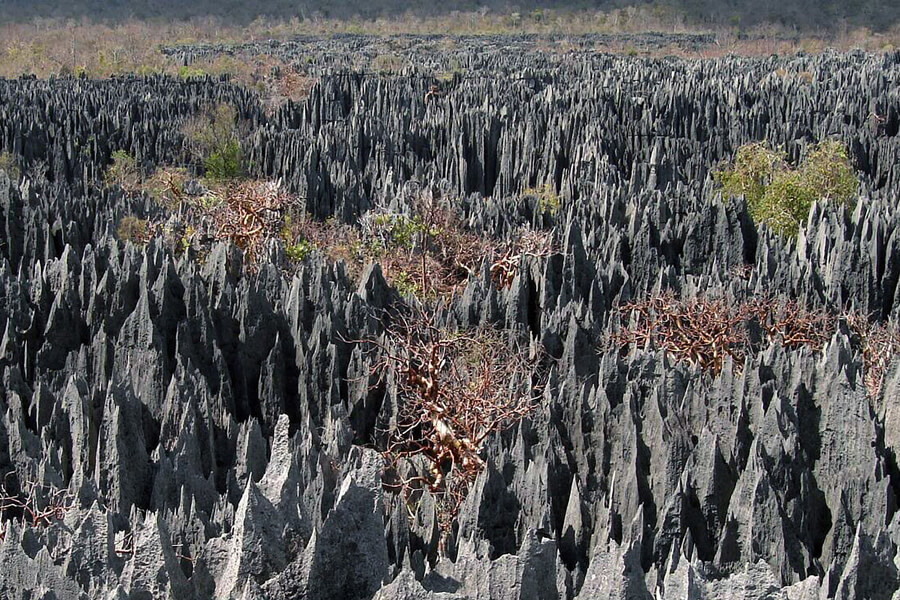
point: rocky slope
(210, 424)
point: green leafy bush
(753, 169)
(781, 196)
(123, 171)
(134, 230)
(393, 231)
(186, 72)
(225, 163)
(828, 170)
(407, 285)
(547, 199)
(299, 251)
(213, 140)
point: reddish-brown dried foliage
(250, 214)
(454, 390)
(880, 343)
(35, 505)
(704, 331)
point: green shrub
(407, 284)
(547, 199)
(213, 140)
(186, 72)
(8, 164)
(393, 231)
(785, 203)
(184, 240)
(123, 171)
(225, 163)
(134, 230)
(780, 196)
(754, 166)
(828, 170)
(299, 251)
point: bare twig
(36, 505)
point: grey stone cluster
(214, 428)
(436, 53)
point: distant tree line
(805, 15)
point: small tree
(213, 140)
(781, 196)
(123, 171)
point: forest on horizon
(804, 15)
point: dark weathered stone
(215, 415)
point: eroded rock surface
(203, 416)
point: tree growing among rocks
(781, 196)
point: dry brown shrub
(248, 214)
(455, 389)
(704, 331)
(35, 505)
(134, 230)
(700, 331)
(287, 86)
(538, 244)
(406, 247)
(743, 271)
(880, 343)
(790, 323)
(166, 186)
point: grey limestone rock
(214, 429)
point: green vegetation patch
(781, 196)
(213, 140)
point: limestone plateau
(193, 426)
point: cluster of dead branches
(281, 86)
(789, 323)
(538, 244)
(35, 505)
(454, 389)
(249, 214)
(704, 331)
(880, 343)
(701, 331)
